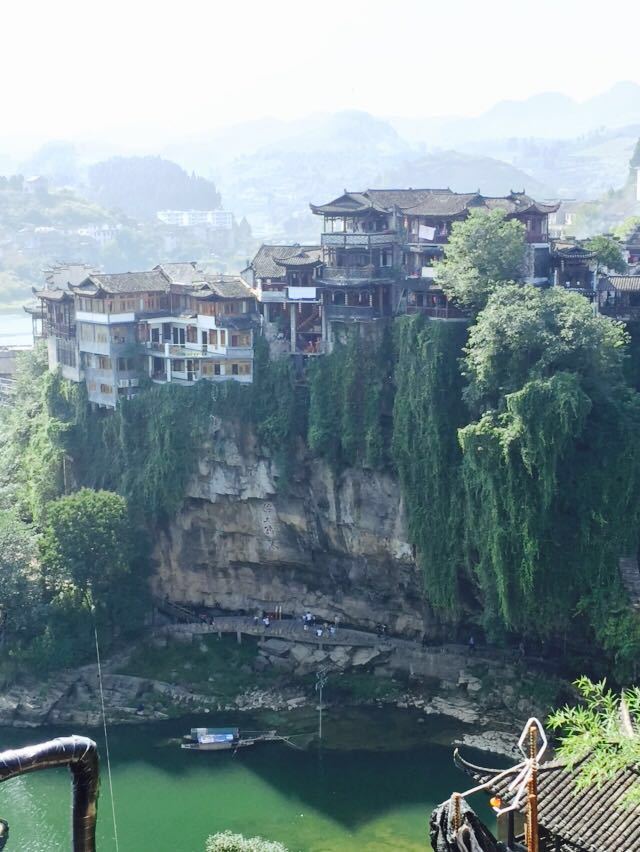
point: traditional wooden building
(593, 819)
(207, 332)
(380, 247)
(574, 268)
(286, 283)
(619, 297)
(176, 323)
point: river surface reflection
(369, 789)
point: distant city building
(218, 220)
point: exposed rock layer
(333, 543)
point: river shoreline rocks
(486, 722)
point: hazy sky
(85, 68)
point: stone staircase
(630, 575)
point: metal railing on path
(293, 630)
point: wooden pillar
(293, 326)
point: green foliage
(86, 542)
(427, 411)
(484, 251)
(225, 841)
(601, 736)
(350, 399)
(608, 253)
(146, 449)
(526, 332)
(551, 470)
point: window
(213, 337)
(244, 369)
(65, 352)
(234, 369)
(155, 335)
(178, 365)
(126, 364)
(216, 370)
(101, 334)
(223, 338)
(104, 362)
(192, 334)
(106, 389)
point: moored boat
(224, 739)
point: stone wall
(335, 544)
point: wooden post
(456, 812)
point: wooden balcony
(347, 240)
(357, 274)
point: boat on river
(225, 739)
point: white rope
(106, 740)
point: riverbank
(173, 675)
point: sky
(86, 69)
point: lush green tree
(608, 253)
(602, 734)
(86, 544)
(225, 841)
(529, 333)
(484, 251)
(551, 470)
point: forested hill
(140, 186)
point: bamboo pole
(532, 811)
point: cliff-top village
(377, 258)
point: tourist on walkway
(472, 645)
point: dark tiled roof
(223, 286)
(445, 204)
(181, 273)
(53, 295)
(429, 202)
(153, 281)
(622, 283)
(591, 819)
(265, 263)
(305, 257)
(404, 198)
(571, 251)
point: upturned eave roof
(593, 819)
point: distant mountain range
(545, 116)
(269, 169)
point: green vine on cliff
(427, 411)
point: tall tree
(483, 252)
(608, 253)
(86, 544)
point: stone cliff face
(335, 544)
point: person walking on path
(472, 645)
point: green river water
(369, 789)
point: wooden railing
(357, 273)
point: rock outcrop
(333, 543)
